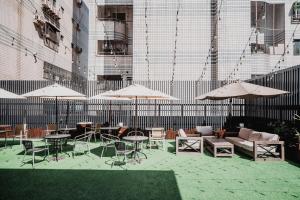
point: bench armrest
(268, 142)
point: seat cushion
(235, 140)
(248, 145)
(244, 133)
(254, 136)
(269, 137)
(205, 130)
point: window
(119, 16)
(296, 47)
(51, 37)
(296, 12)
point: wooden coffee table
(219, 147)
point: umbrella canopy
(55, 91)
(164, 96)
(58, 92)
(4, 94)
(241, 90)
(136, 92)
(105, 96)
(102, 96)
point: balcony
(50, 9)
(114, 30)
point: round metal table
(57, 139)
(136, 139)
(110, 128)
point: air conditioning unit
(38, 20)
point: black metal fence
(185, 113)
(282, 107)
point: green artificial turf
(162, 176)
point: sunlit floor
(162, 176)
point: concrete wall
(16, 55)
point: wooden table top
(217, 141)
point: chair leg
(103, 151)
(24, 155)
(33, 159)
(95, 137)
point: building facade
(44, 39)
(213, 39)
(110, 39)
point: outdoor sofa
(259, 145)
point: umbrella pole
(109, 117)
(155, 121)
(67, 117)
(56, 119)
(230, 110)
(135, 121)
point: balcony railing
(114, 29)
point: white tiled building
(110, 39)
(43, 39)
(238, 54)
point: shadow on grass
(172, 148)
(88, 184)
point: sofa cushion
(254, 136)
(205, 130)
(181, 133)
(247, 145)
(244, 133)
(269, 137)
(235, 140)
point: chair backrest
(51, 126)
(205, 130)
(120, 146)
(157, 133)
(181, 133)
(28, 144)
(109, 138)
(121, 131)
(135, 133)
(98, 128)
(20, 130)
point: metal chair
(81, 143)
(121, 150)
(157, 135)
(29, 148)
(96, 130)
(20, 132)
(108, 142)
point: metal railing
(282, 107)
(185, 113)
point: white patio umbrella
(4, 94)
(163, 97)
(56, 92)
(136, 92)
(102, 96)
(240, 90)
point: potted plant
(297, 135)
